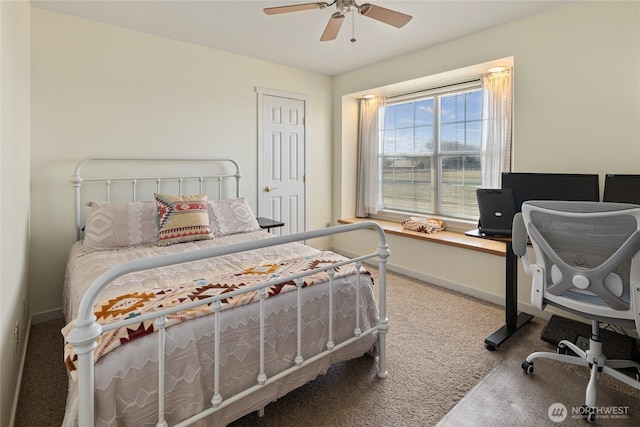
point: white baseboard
(46, 316)
(33, 319)
(23, 357)
(453, 286)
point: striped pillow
(182, 218)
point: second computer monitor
(622, 188)
(551, 186)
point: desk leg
(513, 321)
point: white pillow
(112, 225)
(231, 216)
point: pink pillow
(231, 216)
(113, 225)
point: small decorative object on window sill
(423, 225)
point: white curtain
(497, 130)
(369, 182)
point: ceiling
(293, 39)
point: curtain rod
(434, 88)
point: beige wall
(99, 89)
(14, 193)
(577, 109)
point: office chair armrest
(519, 241)
(635, 304)
(519, 236)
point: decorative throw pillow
(112, 225)
(182, 218)
(230, 216)
(423, 225)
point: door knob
(268, 189)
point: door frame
(261, 91)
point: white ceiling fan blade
(333, 27)
(385, 15)
(294, 8)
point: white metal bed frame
(86, 330)
(77, 180)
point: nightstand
(268, 224)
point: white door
(281, 161)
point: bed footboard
(86, 330)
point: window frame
(436, 156)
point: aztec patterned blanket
(136, 303)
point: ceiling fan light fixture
(345, 6)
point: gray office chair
(587, 263)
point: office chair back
(586, 258)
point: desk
(513, 320)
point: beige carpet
(436, 356)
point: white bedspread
(126, 378)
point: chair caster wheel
(527, 367)
(489, 347)
(561, 349)
(588, 414)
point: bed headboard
(137, 178)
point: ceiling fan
(332, 29)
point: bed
(181, 310)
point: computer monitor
(551, 186)
(622, 188)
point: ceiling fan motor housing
(346, 6)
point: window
(430, 152)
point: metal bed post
(76, 181)
(238, 176)
(84, 338)
(299, 358)
(357, 331)
(330, 343)
(383, 323)
(161, 322)
(262, 377)
(217, 398)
